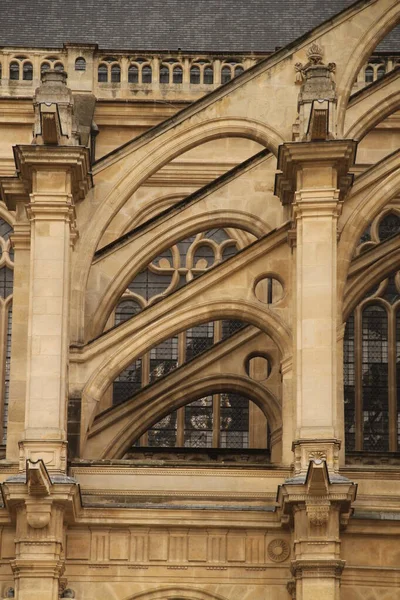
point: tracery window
(169, 271)
(169, 354)
(382, 228)
(372, 370)
(179, 265)
(6, 289)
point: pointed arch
(176, 592)
(384, 18)
(136, 342)
(143, 416)
(137, 171)
(176, 232)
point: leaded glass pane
(199, 339)
(234, 425)
(163, 358)
(231, 326)
(126, 310)
(148, 284)
(163, 433)
(349, 384)
(375, 378)
(199, 423)
(128, 382)
(5, 229)
(6, 282)
(7, 375)
(389, 226)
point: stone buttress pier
(55, 174)
(313, 181)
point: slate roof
(189, 25)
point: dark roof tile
(191, 25)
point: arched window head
(102, 73)
(45, 66)
(14, 71)
(369, 74)
(372, 370)
(389, 226)
(380, 72)
(212, 421)
(239, 70)
(27, 71)
(164, 74)
(176, 266)
(208, 75)
(115, 74)
(59, 66)
(177, 75)
(80, 64)
(133, 74)
(6, 282)
(146, 74)
(226, 74)
(126, 310)
(195, 75)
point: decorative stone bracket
(316, 505)
(39, 492)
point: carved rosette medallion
(278, 550)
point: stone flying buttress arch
(145, 416)
(149, 160)
(176, 592)
(364, 204)
(140, 341)
(385, 15)
(387, 93)
(179, 229)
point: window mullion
(358, 379)
(216, 420)
(392, 381)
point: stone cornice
(294, 156)
(12, 190)
(75, 159)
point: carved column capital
(74, 160)
(303, 165)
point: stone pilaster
(56, 178)
(14, 194)
(314, 180)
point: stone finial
(317, 97)
(54, 111)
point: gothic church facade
(200, 319)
